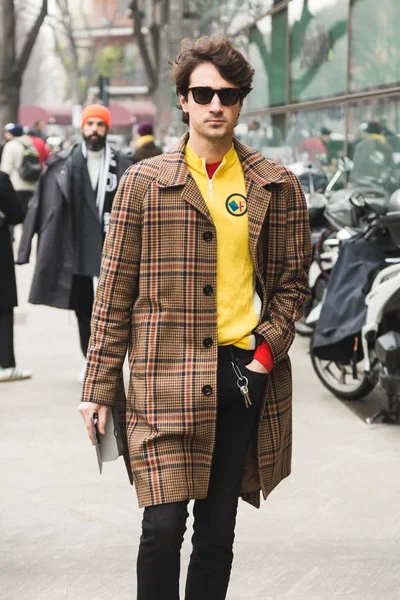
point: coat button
(208, 236)
(208, 342)
(207, 390)
(207, 290)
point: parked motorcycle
(324, 243)
(356, 344)
(343, 221)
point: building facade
(326, 72)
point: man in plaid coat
(203, 276)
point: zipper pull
(211, 188)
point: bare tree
(150, 55)
(12, 62)
(76, 46)
(204, 15)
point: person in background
(41, 146)
(145, 144)
(372, 159)
(40, 129)
(11, 213)
(392, 139)
(325, 136)
(204, 273)
(11, 161)
(70, 212)
(315, 147)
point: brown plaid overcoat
(159, 254)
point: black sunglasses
(227, 96)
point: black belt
(229, 353)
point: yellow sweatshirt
(238, 304)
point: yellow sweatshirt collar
(199, 164)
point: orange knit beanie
(96, 111)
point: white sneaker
(13, 374)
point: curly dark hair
(218, 50)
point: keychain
(242, 383)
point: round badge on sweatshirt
(236, 205)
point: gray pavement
(330, 531)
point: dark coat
(11, 207)
(160, 250)
(50, 216)
(147, 151)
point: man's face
(212, 121)
(94, 133)
(8, 136)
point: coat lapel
(258, 171)
(62, 179)
(258, 199)
(192, 195)
(175, 173)
(259, 174)
(88, 192)
(82, 186)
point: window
(266, 134)
(375, 46)
(316, 136)
(318, 56)
(267, 54)
(129, 60)
(374, 143)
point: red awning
(55, 115)
(123, 114)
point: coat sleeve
(291, 292)
(116, 293)
(31, 226)
(9, 203)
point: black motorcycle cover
(344, 311)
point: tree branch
(22, 61)
(144, 53)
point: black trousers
(163, 526)
(7, 358)
(81, 302)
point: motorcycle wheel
(338, 378)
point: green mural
(269, 38)
(318, 52)
(318, 41)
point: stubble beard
(213, 133)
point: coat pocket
(137, 351)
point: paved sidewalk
(330, 531)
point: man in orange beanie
(70, 212)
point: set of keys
(242, 383)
